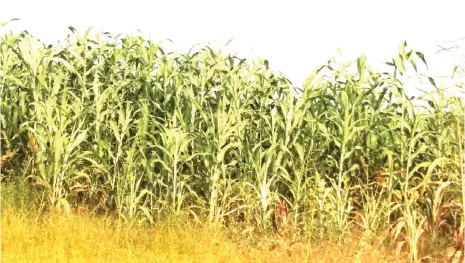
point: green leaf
(431, 80)
(361, 64)
(222, 152)
(422, 57)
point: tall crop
(125, 125)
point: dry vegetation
(81, 237)
(349, 166)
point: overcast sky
(295, 36)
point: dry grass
(83, 238)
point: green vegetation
(118, 124)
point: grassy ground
(84, 238)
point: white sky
(295, 36)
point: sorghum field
(115, 150)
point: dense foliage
(118, 123)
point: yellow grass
(82, 238)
